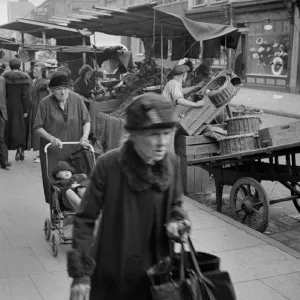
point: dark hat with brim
(62, 166)
(180, 69)
(150, 111)
(59, 79)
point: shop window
(218, 1)
(200, 2)
(268, 51)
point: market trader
(173, 91)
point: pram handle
(69, 143)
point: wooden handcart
(244, 172)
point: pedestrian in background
(4, 164)
(39, 90)
(18, 108)
(137, 191)
(52, 66)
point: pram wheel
(47, 229)
(54, 243)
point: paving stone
(188, 206)
(4, 244)
(50, 263)
(256, 290)
(5, 219)
(225, 238)
(257, 263)
(287, 285)
(19, 262)
(204, 220)
(18, 288)
(53, 286)
(29, 215)
(25, 235)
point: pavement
(260, 267)
(272, 102)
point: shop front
(267, 48)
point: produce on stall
(149, 75)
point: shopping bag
(180, 277)
(213, 285)
(168, 283)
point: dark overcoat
(136, 201)
(17, 130)
(3, 110)
(39, 90)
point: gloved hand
(179, 230)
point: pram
(82, 161)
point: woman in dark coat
(61, 117)
(137, 188)
(17, 129)
(83, 84)
(39, 90)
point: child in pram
(72, 186)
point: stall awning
(146, 20)
(36, 29)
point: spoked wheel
(54, 243)
(250, 202)
(296, 201)
(47, 229)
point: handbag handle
(196, 267)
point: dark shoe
(22, 155)
(18, 155)
(5, 165)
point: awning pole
(162, 58)
(23, 42)
(44, 38)
(84, 53)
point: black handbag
(181, 278)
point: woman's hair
(84, 69)
(44, 72)
(1, 70)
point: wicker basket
(220, 90)
(238, 143)
(243, 125)
(241, 110)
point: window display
(268, 50)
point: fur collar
(16, 77)
(140, 175)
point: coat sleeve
(41, 116)
(80, 264)
(177, 211)
(26, 98)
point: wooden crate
(190, 148)
(194, 120)
(280, 135)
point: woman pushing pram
(61, 117)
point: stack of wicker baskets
(242, 132)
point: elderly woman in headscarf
(39, 90)
(137, 189)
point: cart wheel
(250, 202)
(54, 243)
(296, 201)
(47, 229)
